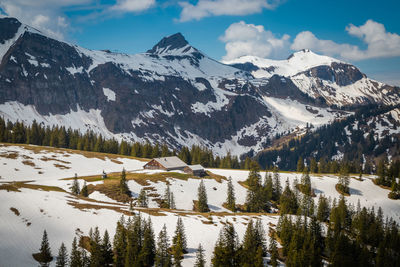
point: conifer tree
(172, 199)
(230, 199)
(323, 209)
(75, 258)
(75, 189)
(288, 201)
(180, 235)
(96, 255)
(106, 249)
(202, 205)
(276, 186)
(226, 248)
(163, 258)
(344, 180)
(254, 199)
(120, 243)
(123, 186)
(168, 200)
(44, 256)
(273, 249)
(62, 257)
(148, 249)
(306, 183)
(200, 257)
(249, 246)
(268, 186)
(300, 165)
(84, 191)
(142, 199)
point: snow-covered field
(54, 211)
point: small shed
(166, 163)
(196, 170)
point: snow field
(41, 210)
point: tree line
(60, 137)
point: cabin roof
(171, 162)
(196, 167)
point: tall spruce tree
(273, 249)
(277, 185)
(142, 199)
(163, 258)
(200, 257)
(231, 199)
(344, 180)
(106, 249)
(323, 209)
(123, 186)
(44, 256)
(226, 248)
(84, 191)
(148, 251)
(75, 189)
(120, 243)
(254, 198)
(75, 257)
(62, 257)
(202, 205)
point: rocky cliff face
(171, 94)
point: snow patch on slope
(79, 119)
(110, 94)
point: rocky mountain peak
(170, 44)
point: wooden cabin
(196, 170)
(166, 163)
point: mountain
(321, 77)
(174, 93)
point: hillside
(363, 139)
(174, 93)
(35, 195)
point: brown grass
(28, 162)
(85, 206)
(44, 158)
(111, 189)
(16, 212)
(341, 192)
(60, 166)
(244, 184)
(9, 155)
(15, 186)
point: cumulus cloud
(207, 8)
(380, 43)
(132, 5)
(45, 15)
(48, 15)
(248, 39)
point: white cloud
(248, 39)
(132, 5)
(207, 8)
(380, 43)
(45, 15)
(48, 15)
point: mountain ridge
(172, 94)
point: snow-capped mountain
(173, 93)
(321, 77)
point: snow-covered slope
(61, 213)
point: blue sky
(365, 33)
